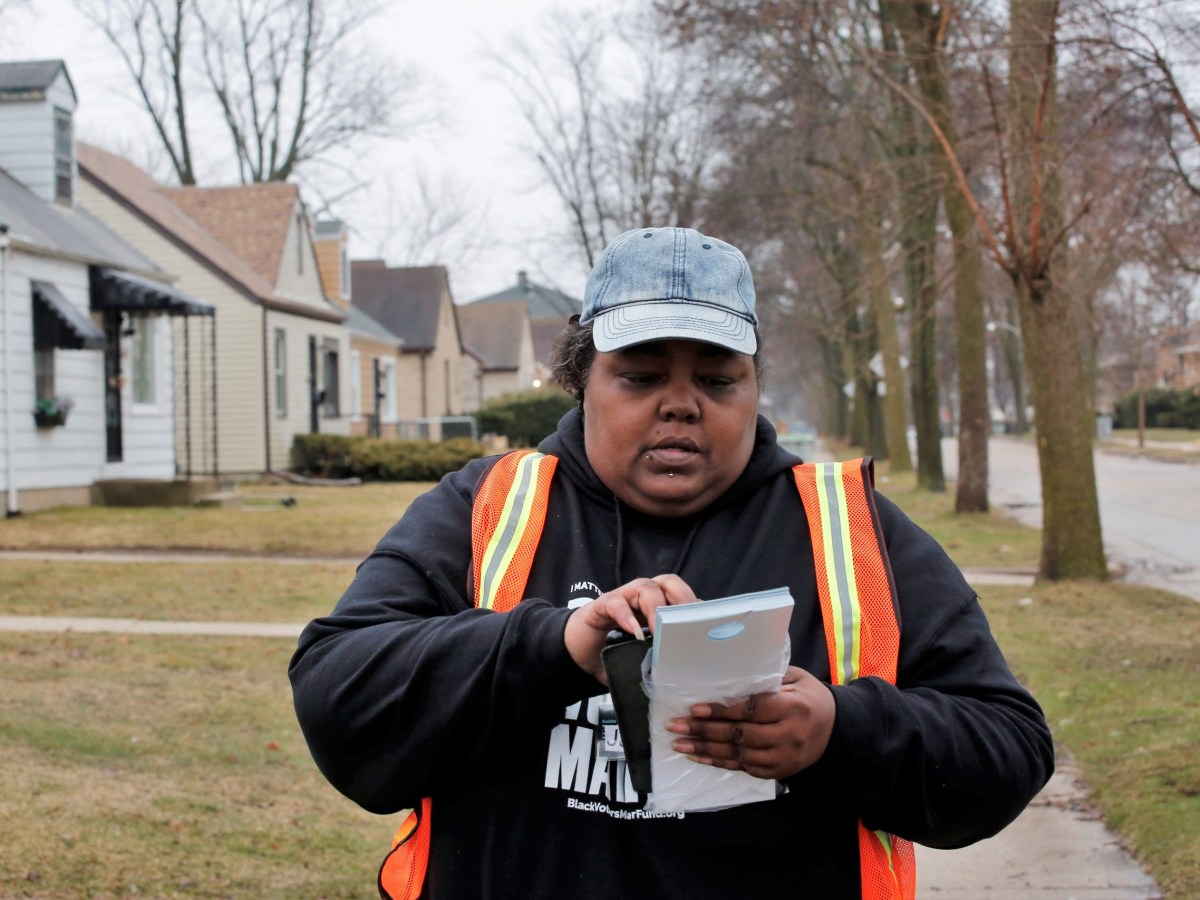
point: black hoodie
(408, 691)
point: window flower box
(51, 412)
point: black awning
(114, 289)
(60, 323)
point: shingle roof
(31, 76)
(405, 300)
(359, 323)
(254, 218)
(544, 302)
(493, 332)
(65, 230)
(135, 188)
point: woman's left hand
(771, 735)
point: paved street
(1149, 510)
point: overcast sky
(476, 148)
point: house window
(63, 140)
(43, 372)
(280, 373)
(344, 271)
(145, 369)
(355, 385)
(331, 407)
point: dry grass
(239, 591)
(1117, 670)
(986, 540)
(325, 521)
(167, 768)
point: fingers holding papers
(771, 735)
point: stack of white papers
(719, 651)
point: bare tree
(151, 37)
(564, 134)
(286, 77)
(1037, 228)
(925, 31)
(7, 10)
(618, 152)
(427, 221)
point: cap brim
(640, 323)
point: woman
(668, 487)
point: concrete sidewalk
(1058, 849)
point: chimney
(522, 280)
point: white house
(87, 323)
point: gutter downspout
(424, 405)
(266, 370)
(13, 507)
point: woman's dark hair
(574, 352)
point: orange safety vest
(858, 608)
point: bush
(1164, 409)
(524, 418)
(379, 459)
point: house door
(315, 395)
(112, 385)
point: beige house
(282, 349)
(549, 312)
(375, 352)
(499, 339)
(1177, 360)
(422, 385)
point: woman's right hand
(629, 607)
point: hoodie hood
(767, 460)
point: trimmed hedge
(1164, 409)
(380, 459)
(526, 417)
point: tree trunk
(879, 296)
(917, 189)
(834, 405)
(1072, 545)
(919, 237)
(974, 421)
(920, 26)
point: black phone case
(622, 661)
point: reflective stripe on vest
(862, 633)
(858, 608)
(506, 525)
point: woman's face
(669, 425)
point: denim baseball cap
(654, 284)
